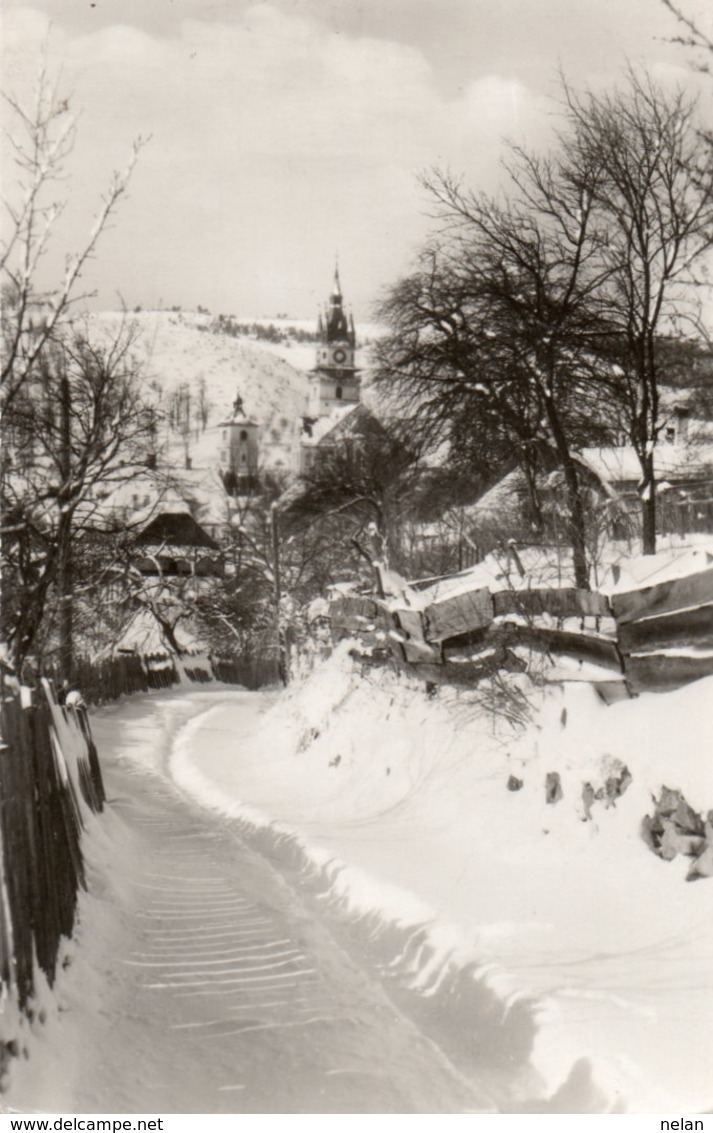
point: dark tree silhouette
(76, 430)
(497, 331)
(653, 203)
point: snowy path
(401, 809)
(200, 983)
(341, 820)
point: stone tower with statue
(238, 451)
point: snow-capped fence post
(665, 631)
(49, 780)
(653, 638)
(6, 947)
(102, 682)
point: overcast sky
(284, 132)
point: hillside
(178, 351)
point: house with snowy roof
(172, 543)
(683, 457)
(683, 462)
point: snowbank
(406, 805)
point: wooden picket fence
(102, 682)
(656, 638)
(251, 670)
(50, 780)
(665, 632)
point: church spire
(335, 378)
(337, 289)
(336, 327)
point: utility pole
(283, 645)
(64, 528)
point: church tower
(335, 379)
(238, 451)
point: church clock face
(340, 356)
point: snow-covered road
(199, 981)
(332, 900)
(550, 953)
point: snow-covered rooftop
(619, 464)
(325, 425)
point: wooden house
(173, 544)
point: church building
(238, 451)
(334, 381)
(333, 395)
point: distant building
(334, 384)
(334, 381)
(344, 429)
(172, 543)
(238, 451)
(683, 460)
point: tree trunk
(168, 632)
(533, 499)
(648, 505)
(575, 518)
(576, 526)
(30, 620)
(282, 639)
(65, 600)
(647, 432)
(168, 629)
(64, 532)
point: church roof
(343, 421)
(175, 528)
(337, 288)
(236, 419)
(320, 428)
(336, 325)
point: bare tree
(692, 34)
(39, 140)
(653, 202)
(204, 403)
(446, 388)
(363, 479)
(73, 433)
(514, 353)
(73, 412)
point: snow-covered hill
(177, 351)
(182, 354)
